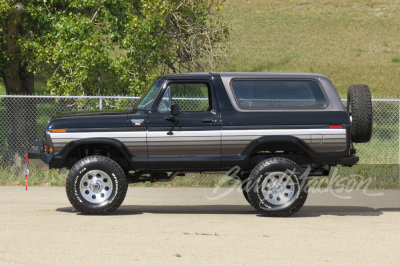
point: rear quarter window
(278, 94)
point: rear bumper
(40, 159)
(349, 161)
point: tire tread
(361, 128)
(119, 198)
(253, 197)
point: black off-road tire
(96, 185)
(277, 187)
(359, 106)
(244, 178)
(245, 191)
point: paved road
(182, 225)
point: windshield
(149, 96)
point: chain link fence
(384, 145)
(23, 119)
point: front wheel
(277, 187)
(96, 185)
(245, 191)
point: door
(194, 143)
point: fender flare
(279, 139)
(64, 153)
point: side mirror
(174, 113)
(175, 110)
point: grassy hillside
(350, 42)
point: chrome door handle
(209, 121)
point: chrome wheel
(278, 188)
(96, 186)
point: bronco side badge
(137, 122)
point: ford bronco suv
(277, 129)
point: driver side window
(165, 104)
(191, 97)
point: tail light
(335, 126)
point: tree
(106, 46)
(102, 46)
(17, 79)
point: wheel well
(106, 150)
(282, 149)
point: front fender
(60, 158)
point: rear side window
(273, 94)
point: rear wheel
(96, 185)
(359, 106)
(277, 187)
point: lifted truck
(278, 128)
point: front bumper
(40, 159)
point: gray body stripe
(192, 143)
(235, 141)
(135, 141)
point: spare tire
(359, 106)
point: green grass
(396, 59)
(349, 41)
(382, 176)
(384, 145)
(14, 175)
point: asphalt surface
(158, 226)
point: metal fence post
(101, 103)
(399, 143)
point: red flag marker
(26, 172)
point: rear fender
(264, 142)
